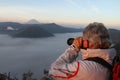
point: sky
(67, 12)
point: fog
(19, 55)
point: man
(95, 42)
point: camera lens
(70, 41)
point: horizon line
(63, 24)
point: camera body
(85, 43)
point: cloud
(95, 9)
(22, 12)
(22, 54)
(73, 3)
(7, 10)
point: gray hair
(97, 35)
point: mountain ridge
(32, 32)
(50, 28)
(18, 28)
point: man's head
(97, 35)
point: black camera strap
(101, 61)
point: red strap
(70, 76)
(116, 72)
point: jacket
(66, 67)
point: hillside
(54, 28)
(32, 32)
(51, 27)
(4, 27)
(115, 35)
(47, 28)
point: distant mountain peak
(54, 23)
(33, 21)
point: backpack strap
(101, 61)
(116, 59)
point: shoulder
(88, 65)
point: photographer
(95, 43)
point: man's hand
(78, 42)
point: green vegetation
(26, 76)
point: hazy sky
(74, 12)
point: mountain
(33, 21)
(30, 30)
(15, 25)
(33, 32)
(115, 35)
(55, 28)
(51, 27)
(5, 27)
(14, 28)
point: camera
(70, 41)
(85, 43)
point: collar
(106, 54)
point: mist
(18, 55)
